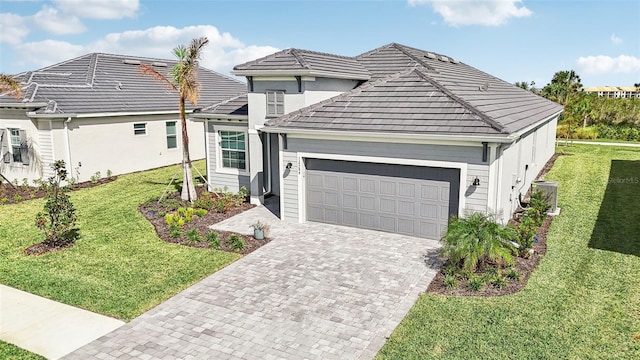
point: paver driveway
(315, 291)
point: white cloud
(56, 22)
(476, 12)
(603, 64)
(100, 9)
(47, 52)
(12, 28)
(221, 54)
(616, 40)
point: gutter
(205, 116)
(413, 136)
(27, 105)
(518, 134)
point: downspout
(66, 140)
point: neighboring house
(396, 139)
(614, 91)
(98, 113)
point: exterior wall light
(476, 182)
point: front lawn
(119, 267)
(12, 352)
(582, 302)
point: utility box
(550, 191)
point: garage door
(403, 199)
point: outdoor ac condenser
(550, 191)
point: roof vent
(159, 64)
(430, 55)
(455, 61)
(119, 86)
(484, 87)
(443, 58)
(131, 62)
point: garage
(411, 200)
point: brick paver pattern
(316, 291)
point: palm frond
(11, 86)
(148, 70)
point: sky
(515, 40)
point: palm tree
(183, 79)
(10, 85)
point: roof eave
(25, 105)
(389, 135)
(301, 72)
(209, 116)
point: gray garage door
(402, 199)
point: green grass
(119, 267)
(12, 352)
(583, 300)
(561, 141)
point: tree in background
(183, 79)
(529, 86)
(11, 86)
(563, 86)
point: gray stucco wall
(218, 179)
(475, 197)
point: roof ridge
(324, 53)
(494, 124)
(403, 50)
(259, 60)
(299, 58)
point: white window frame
(12, 145)
(175, 135)
(144, 128)
(218, 143)
(275, 102)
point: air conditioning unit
(550, 191)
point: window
(172, 141)
(140, 129)
(275, 103)
(14, 138)
(233, 150)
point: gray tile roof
(421, 92)
(97, 82)
(236, 106)
(305, 62)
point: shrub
(475, 283)
(109, 173)
(499, 282)
(526, 232)
(193, 236)
(58, 217)
(4, 200)
(175, 230)
(95, 178)
(450, 282)
(512, 274)
(213, 239)
(235, 242)
(201, 212)
(477, 239)
(538, 208)
(17, 198)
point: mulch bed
(42, 248)
(155, 212)
(524, 266)
(15, 194)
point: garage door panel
(367, 186)
(406, 189)
(367, 203)
(375, 197)
(388, 206)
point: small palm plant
(477, 240)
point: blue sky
(514, 40)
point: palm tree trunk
(188, 187)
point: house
(396, 139)
(614, 91)
(98, 113)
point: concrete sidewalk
(47, 327)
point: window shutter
(24, 147)
(4, 142)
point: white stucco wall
(17, 119)
(101, 144)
